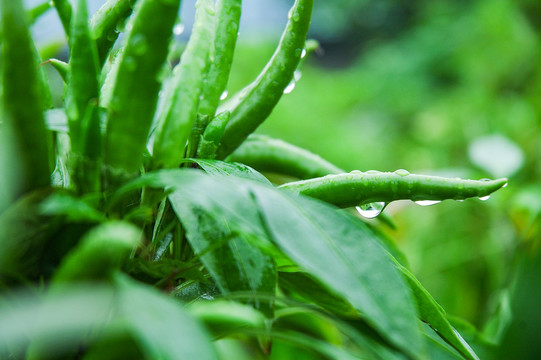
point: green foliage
(172, 254)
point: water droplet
(484, 198)
(140, 44)
(178, 29)
(224, 95)
(356, 172)
(289, 88)
(427, 202)
(297, 75)
(402, 172)
(121, 25)
(372, 172)
(129, 26)
(293, 15)
(371, 210)
(112, 35)
(505, 185)
(303, 54)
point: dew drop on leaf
(224, 95)
(371, 210)
(427, 202)
(402, 172)
(289, 88)
(484, 198)
(178, 29)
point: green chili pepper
(38, 10)
(273, 155)
(83, 75)
(100, 252)
(198, 127)
(22, 98)
(63, 8)
(356, 188)
(261, 96)
(210, 140)
(225, 39)
(136, 86)
(185, 91)
(81, 103)
(60, 66)
(104, 25)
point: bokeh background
(444, 87)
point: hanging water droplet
(297, 75)
(289, 88)
(484, 198)
(427, 202)
(402, 172)
(178, 29)
(371, 210)
(303, 54)
(224, 95)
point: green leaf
(346, 256)
(237, 265)
(224, 317)
(433, 314)
(338, 249)
(160, 325)
(74, 209)
(313, 291)
(59, 324)
(217, 167)
(23, 99)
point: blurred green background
(444, 87)
(441, 87)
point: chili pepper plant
(138, 219)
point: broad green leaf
(161, 326)
(313, 291)
(234, 261)
(345, 255)
(339, 250)
(217, 167)
(223, 317)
